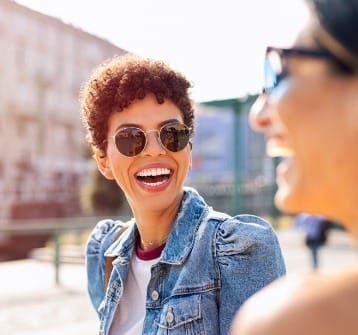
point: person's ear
(102, 164)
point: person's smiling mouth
(154, 177)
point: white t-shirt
(129, 316)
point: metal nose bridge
(158, 138)
(152, 131)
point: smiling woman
(309, 113)
(174, 262)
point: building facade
(230, 167)
(44, 159)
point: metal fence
(254, 197)
(54, 228)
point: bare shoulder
(312, 304)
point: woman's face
(152, 180)
(311, 119)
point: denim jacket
(210, 265)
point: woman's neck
(154, 226)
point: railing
(56, 227)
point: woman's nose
(154, 146)
(259, 116)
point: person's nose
(259, 116)
(153, 147)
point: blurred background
(48, 49)
(51, 194)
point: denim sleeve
(98, 242)
(249, 257)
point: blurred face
(311, 119)
(152, 179)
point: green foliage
(102, 196)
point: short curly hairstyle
(115, 84)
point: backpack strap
(108, 265)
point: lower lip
(153, 187)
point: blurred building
(230, 167)
(44, 157)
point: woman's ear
(102, 164)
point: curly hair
(117, 83)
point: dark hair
(117, 83)
(339, 18)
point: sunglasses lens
(175, 136)
(130, 141)
(273, 70)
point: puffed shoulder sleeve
(248, 256)
(98, 242)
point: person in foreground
(309, 112)
(179, 267)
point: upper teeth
(278, 151)
(153, 172)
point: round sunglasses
(131, 141)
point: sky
(217, 44)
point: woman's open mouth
(154, 178)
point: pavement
(32, 304)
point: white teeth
(277, 151)
(155, 184)
(153, 172)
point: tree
(102, 196)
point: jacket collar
(181, 238)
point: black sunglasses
(276, 65)
(131, 141)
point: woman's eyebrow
(168, 121)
